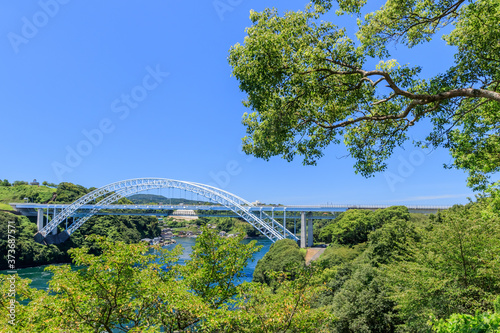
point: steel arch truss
(115, 191)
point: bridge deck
(31, 208)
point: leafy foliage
(288, 308)
(216, 265)
(132, 289)
(391, 239)
(68, 192)
(226, 223)
(353, 226)
(125, 287)
(309, 84)
(465, 323)
(451, 268)
(362, 305)
(28, 252)
(283, 256)
(355, 292)
(130, 229)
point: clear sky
(94, 92)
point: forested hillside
(130, 229)
(392, 271)
(143, 199)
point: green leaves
(284, 256)
(215, 266)
(283, 68)
(465, 323)
(353, 226)
(286, 308)
(135, 288)
(452, 267)
(308, 84)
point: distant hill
(143, 199)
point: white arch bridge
(115, 191)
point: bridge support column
(310, 233)
(284, 223)
(39, 219)
(54, 231)
(302, 229)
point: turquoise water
(40, 278)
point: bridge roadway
(30, 209)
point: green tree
(391, 240)
(45, 183)
(284, 256)
(5, 183)
(351, 227)
(129, 288)
(452, 267)
(216, 265)
(362, 305)
(28, 252)
(125, 288)
(225, 223)
(356, 292)
(287, 308)
(309, 84)
(465, 323)
(68, 192)
(129, 229)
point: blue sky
(100, 91)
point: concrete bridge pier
(306, 239)
(39, 219)
(310, 233)
(302, 230)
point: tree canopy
(309, 84)
(283, 256)
(129, 288)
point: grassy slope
(38, 194)
(5, 207)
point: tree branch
(416, 99)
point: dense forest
(392, 271)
